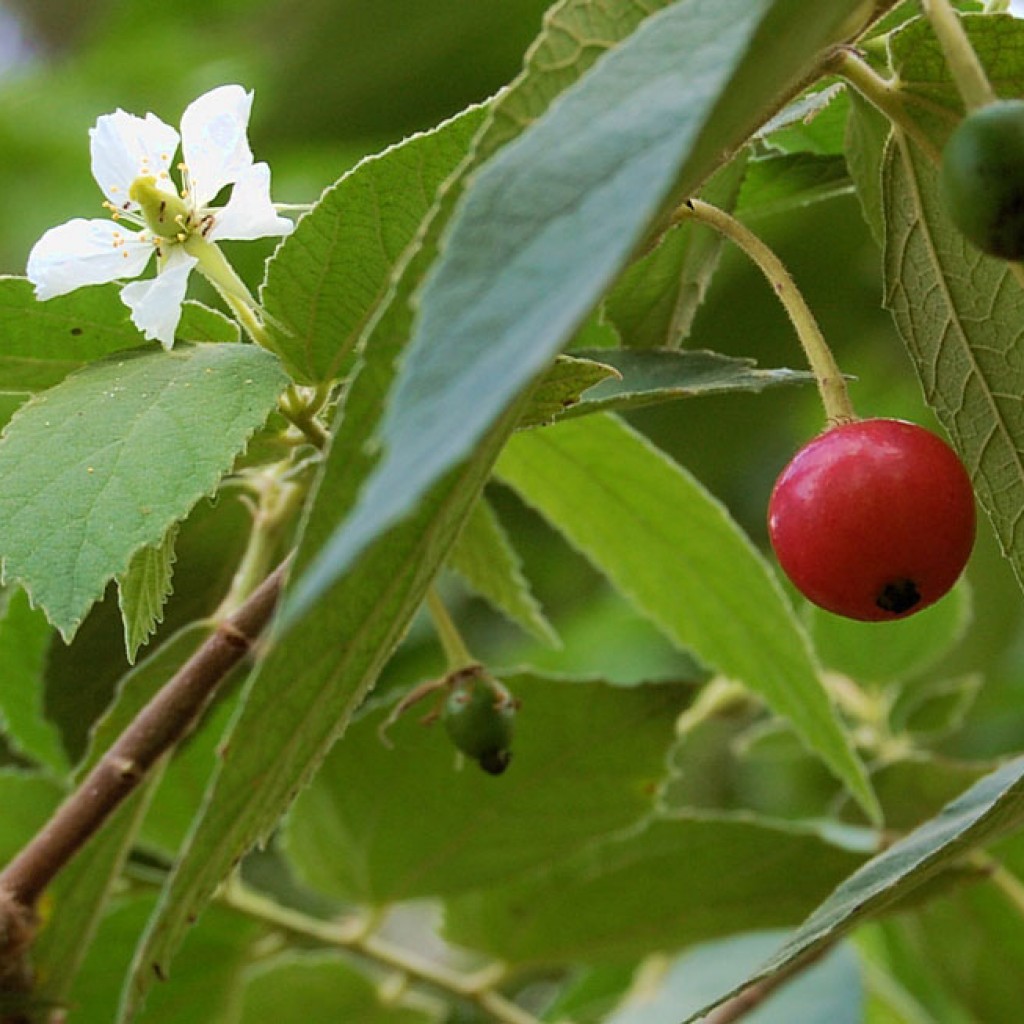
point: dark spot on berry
(494, 762)
(76, 331)
(898, 596)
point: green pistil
(165, 214)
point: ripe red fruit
(873, 519)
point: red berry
(873, 519)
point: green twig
(829, 378)
(881, 94)
(356, 937)
(455, 649)
(964, 66)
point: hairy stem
(964, 66)
(158, 727)
(477, 988)
(456, 652)
(829, 378)
(881, 94)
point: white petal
(213, 141)
(156, 303)
(83, 252)
(249, 212)
(125, 147)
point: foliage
(505, 399)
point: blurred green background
(337, 79)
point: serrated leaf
(104, 463)
(484, 557)
(813, 123)
(42, 342)
(989, 809)
(587, 759)
(654, 302)
(143, 590)
(672, 549)
(328, 277)
(958, 313)
(866, 132)
(549, 222)
(682, 879)
(647, 377)
(562, 386)
(24, 640)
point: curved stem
(474, 988)
(455, 649)
(964, 66)
(214, 266)
(831, 384)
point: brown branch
(752, 997)
(157, 728)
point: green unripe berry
(479, 716)
(982, 181)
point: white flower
(131, 162)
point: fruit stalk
(964, 66)
(831, 384)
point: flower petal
(249, 212)
(213, 141)
(83, 252)
(156, 303)
(124, 147)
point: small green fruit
(982, 180)
(479, 716)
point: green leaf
(327, 279)
(561, 387)
(925, 85)
(143, 590)
(911, 645)
(80, 894)
(548, 223)
(207, 981)
(586, 762)
(814, 123)
(303, 988)
(648, 377)
(656, 299)
(673, 550)
(775, 184)
(680, 880)
(484, 557)
(989, 809)
(937, 709)
(957, 312)
(24, 640)
(830, 990)
(866, 132)
(105, 462)
(307, 688)
(28, 801)
(42, 342)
